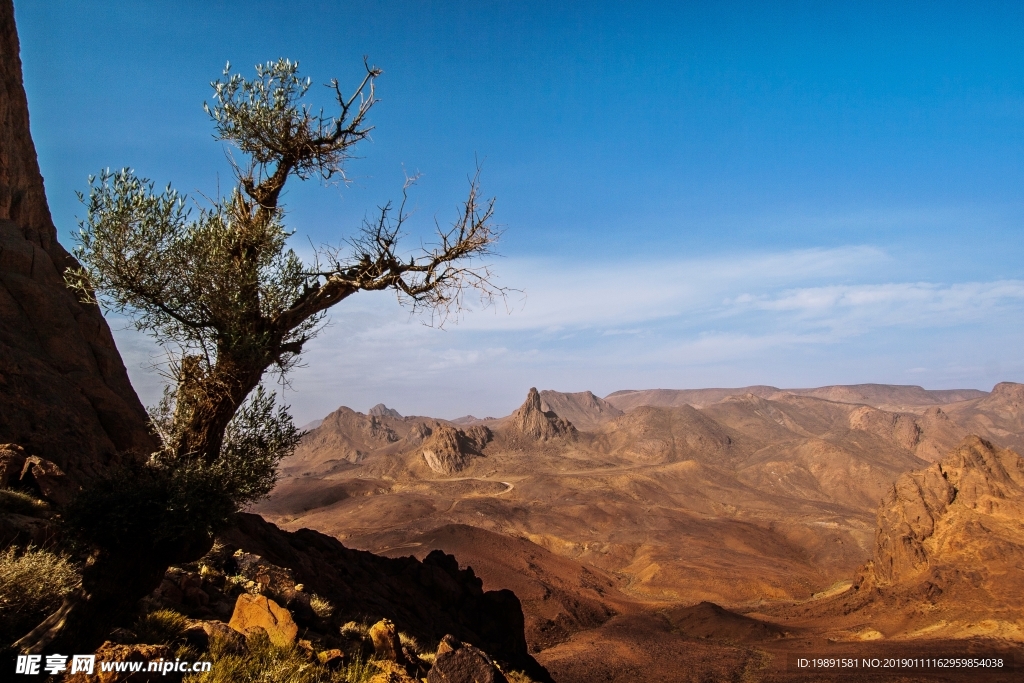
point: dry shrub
(32, 585)
(321, 606)
(264, 662)
(163, 627)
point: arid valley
(720, 531)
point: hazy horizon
(692, 196)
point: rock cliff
(955, 527)
(64, 391)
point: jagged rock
(532, 421)
(12, 461)
(381, 410)
(275, 582)
(954, 524)
(50, 480)
(386, 643)
(465, 664)
(447, 451)
(259, 611)
(64, 391)
(429, 598)
(447, 644)
(419, 432)
(114, 652)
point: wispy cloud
(784, 318)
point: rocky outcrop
(457, 662)
(381, 410)
(260, 612)
(64, 391)
(956, 525)
(449, 450)
(12, 461)
(530, 420)
(428, 598)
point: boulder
(333, 659)
(49, 479)
(259, 611)
(12, 461)
(202, 634)
(465, 664)
(386, 643)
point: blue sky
(703, 194)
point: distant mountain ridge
(875, 395)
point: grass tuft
(321, 606)
(163, 627)
(266, 663)
(19, 503)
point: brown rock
(391, 673)
(955, 525)
(447, 451)
(333, 659)
(219, 632)
(386, 643)
(447, 644)
(113, 652)
(466, 664)
(51, 481)
(64, 391)
(12, 460)
(532, 421)
(259, 611)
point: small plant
(410, 642)
(355, 630)
(518, 677)
(19, 503)
(321, 606)
(32, 585)
(163, 627)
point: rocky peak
(381, 410)
(64, 391)
(961, 512)
(531, 420)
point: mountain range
(733, 511)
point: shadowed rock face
(64, 391)
(532, 421)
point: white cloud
(782, 318)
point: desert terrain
(708, 534)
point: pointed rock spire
(533, 421)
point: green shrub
(163, 627)
(32, 585)
(20, 503)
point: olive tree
(217, 285)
